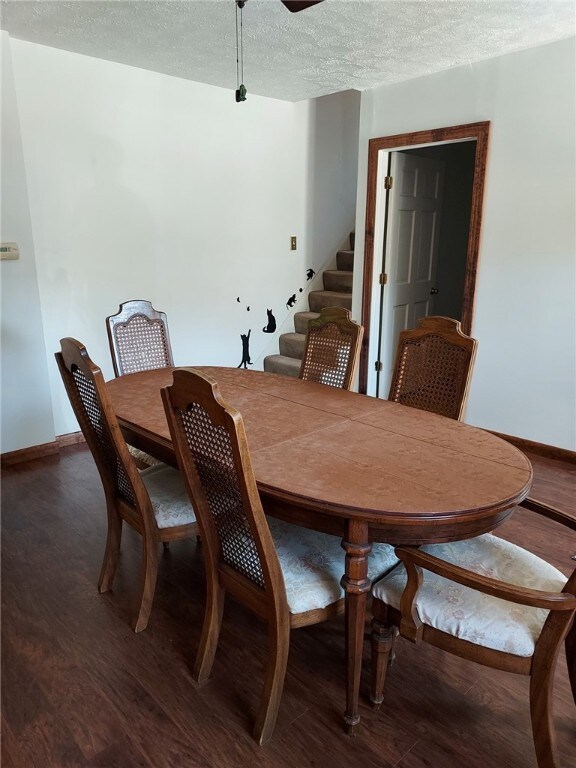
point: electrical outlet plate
(9, 251)
(293, 243)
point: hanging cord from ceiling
(240, 87)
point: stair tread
(337, 280)
(320, 299)
(292, 344)
(301, 320)
(294, 334)
(288, 360)
(309, 315)
(345, 260)
(287, 366)
(336, 294)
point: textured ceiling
(334, 46)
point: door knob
(434, 291)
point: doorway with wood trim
(403, 277)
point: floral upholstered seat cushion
(168, 495)
(144, 457)
(471, 615)
(313, 564)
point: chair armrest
(535, 598)
(552, 513)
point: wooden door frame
(476, 131)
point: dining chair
(486, 600)
(289, 576)
(433, 367)
(139, 341)
(332, 348)
(138, 337)
(154, 502)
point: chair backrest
(86, 389)
(138, 337)
(332, 348)
(212, 451)
(433, 367)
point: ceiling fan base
(294, 6)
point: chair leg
(210, 630)
(541, 682)
(148, 574)
(279, 645)
(112, 551)
(382, 643)
(570, 644)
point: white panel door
(411, 251)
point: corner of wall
(25, 392)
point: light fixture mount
(240, 87)
(294, 6)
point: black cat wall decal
(245, 350)
(310, 274)
(271, 327)
(291, 301)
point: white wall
(24, 377)
(147, 186)
(525, 318)
(138, 185)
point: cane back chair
(139, 341)
(332, 348)
(287, 575)
(138, 338)
(488, 601)
(153, 502)
(433, 367)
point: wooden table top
(343, 454)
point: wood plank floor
(80, 689)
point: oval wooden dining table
(355, 466)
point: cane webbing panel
(142, 345)
(431, 375)
(212, 453)
(328, 355)
(89, 406)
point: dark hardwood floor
(80, 689)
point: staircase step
(320, 299)
(301, 320)
(337, 280)
(287, 366)
(292, 345)
(345, 260)
(352, 239)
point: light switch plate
(293, 243)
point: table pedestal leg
(356, 585)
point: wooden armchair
(489, 601)
(332, 348)
(287, 575)
(138, 338)
(433, 367)
(153, 502)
